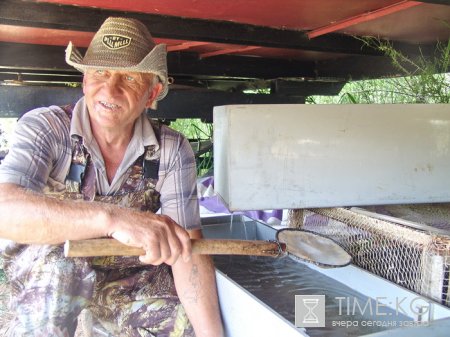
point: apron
(125, 297)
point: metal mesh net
(415, 255)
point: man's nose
(113, 84)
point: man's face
(115, 99)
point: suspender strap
(151, 166)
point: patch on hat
(114, 41)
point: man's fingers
(163, 240)
(156, 251)
(179, 240)
(175, 250)
(186, 246)
(165, 250)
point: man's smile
(109, 106)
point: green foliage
(72, 84)
(265, 91)
(200, 136)
(193, 128)
(422, 80)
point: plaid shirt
(40, 155)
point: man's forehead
(124, 73)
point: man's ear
(154, 92)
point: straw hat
(122, 44)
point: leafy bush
(423, 80)
(200, 136)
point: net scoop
(302, 245)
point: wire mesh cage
(412, 250)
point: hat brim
(147, 65)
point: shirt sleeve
(36, 150)
(178, 180)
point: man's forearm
(196, 286)
(29, 217)
(32, 218)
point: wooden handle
(112, 247)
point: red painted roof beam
(402, 5)
(228, 51)
(186, 45)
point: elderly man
(101, 168)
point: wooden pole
(112, 247)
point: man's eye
(100, 72)
(130, 78)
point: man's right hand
(163, 240)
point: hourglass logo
(310, 311)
